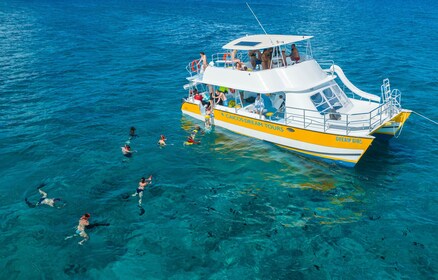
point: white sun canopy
(263, 41)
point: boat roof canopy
(263, 41)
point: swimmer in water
(132, 132)
(162, 141)
(126, 150)
(191, 141)
(44, 199)
(80, 231)
(141, 185)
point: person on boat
(126, 150)
(266, 58)
(255, 57)
(279, 104)
(259, 104)
(294, 55)
(198, 96)
(219, 98)
(141, 185)
(44, 199)
(203, 61)
(193, 92)
(80, 230)
(162, 141)
(284, 57)
(241, 66)
(234, 59)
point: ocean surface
(76, 75)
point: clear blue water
(75, 75)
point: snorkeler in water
(191, 141)
(162, 141)
(127, 151)
(132, 133)
(44, 199)
(141, 185)
(80, 231)
(82, 225)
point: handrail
(348, 122)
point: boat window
(320, 102)
(247, 43)
(331, 97)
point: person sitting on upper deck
(294, 54)
(259, 105)
(233, 57)
(241, 66)
(255, 57)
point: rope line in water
(425, 117)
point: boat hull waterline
(346, 150)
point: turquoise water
(76, 75)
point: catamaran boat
(293, 102)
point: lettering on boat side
(253, 122)
(348, 140)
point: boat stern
(390, 128)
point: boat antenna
(256, 18)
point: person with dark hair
(294, 54)
(203, 61)
(126, 150)
(44, 199)
(141, 185)
(80, 231)
(132, 132)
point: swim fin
(30, 204)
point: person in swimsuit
(126, 150)
(203, 61)
(294, 54)
(80, 230)
(162, 141)
(44, 199)
(207, 123)
(255, 58)
(132, 132)
(141, 185)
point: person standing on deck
(203, 61)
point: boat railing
(340, 121)
(327, 66)
(194, 67)
(224, 59)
